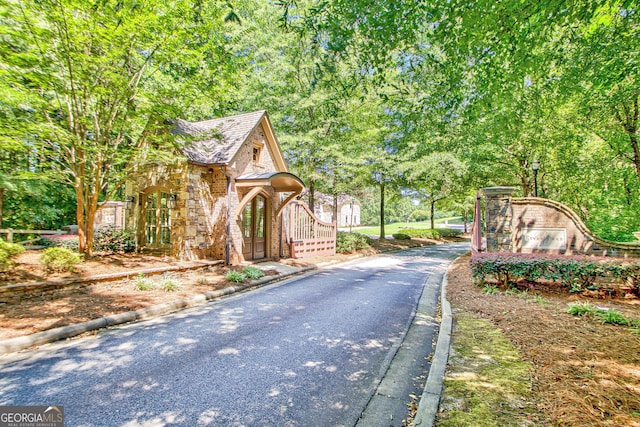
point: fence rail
(9, 232)
(308, 236)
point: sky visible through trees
(427, 100)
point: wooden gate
(306, 235)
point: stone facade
(498, 218)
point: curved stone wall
(537, 225)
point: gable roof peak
(216, 141)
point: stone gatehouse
(224, 200)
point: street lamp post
(535, 166)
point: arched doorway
(157, 220)
(254, 218)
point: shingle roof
(221, 138)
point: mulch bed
(586, 373)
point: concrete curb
(398, 365)
(12, 345)
(430, 399)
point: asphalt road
(309, 351)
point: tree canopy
(365, 97)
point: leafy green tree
(436, 177)
(101, 80)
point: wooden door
(253, 229)
(157, 231)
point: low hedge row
(430, 233)
(577, 273)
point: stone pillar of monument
(498, 217)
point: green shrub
(450, 232)
(114, 240)
(60, 259)
(423, 233)
(419, 215)
(252, 273)
(605, 315)
(143, 283)
(12, 249)
(401, 236)
(490, 289)
(235, 276)
(576, 273)
(5, 261)
(169, 284)
(431, 233)
(612, 316)
(347, 243)
(581, 309)
(8, 251)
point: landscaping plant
(8, 251)
(69, 241)
(60, 259)
(143, 283)
(347, 243)
(575, 273)
(114, 240)
(401, 236)
(605, 315)
(169, 284)
(235, 276)
(252, 273)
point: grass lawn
(398, 226)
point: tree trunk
(633, 137)
(382, 233)
(312, 202)
(335, 201)
(464, 219)
(433, 204)
(1, 204)
(90, 219)
(82, 241)
(630, 125)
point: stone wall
(537, 225)
(204, 210)
(199, 219)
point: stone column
(498, 216)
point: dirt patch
(585, 373)
(28, 268)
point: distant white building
(348, 209)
